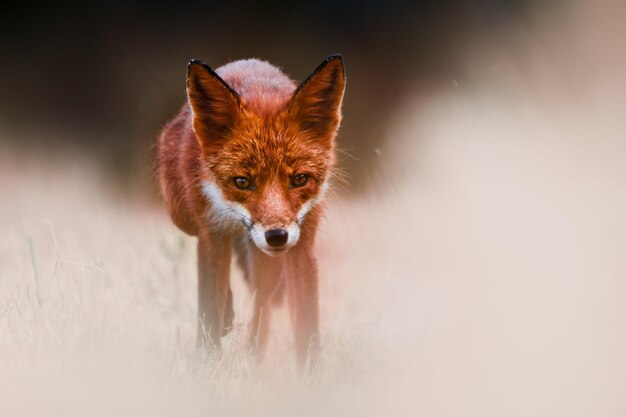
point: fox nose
(276, 237)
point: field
(482, 275)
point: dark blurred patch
(106, 77)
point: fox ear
(214, 103)
(316, 103)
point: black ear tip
(333, 58)
(195, 63)
(197, 66)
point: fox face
(266, 156)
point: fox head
(266, 164)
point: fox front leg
(214, 253)
(302, 292)
(266, 275)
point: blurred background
(472, 264)
(103, 78)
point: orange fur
(248, 120)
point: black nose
(276, 237)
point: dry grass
(483, 276)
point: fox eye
(299, 180)
(242, 183)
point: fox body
(244, 166)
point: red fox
(244, 166)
